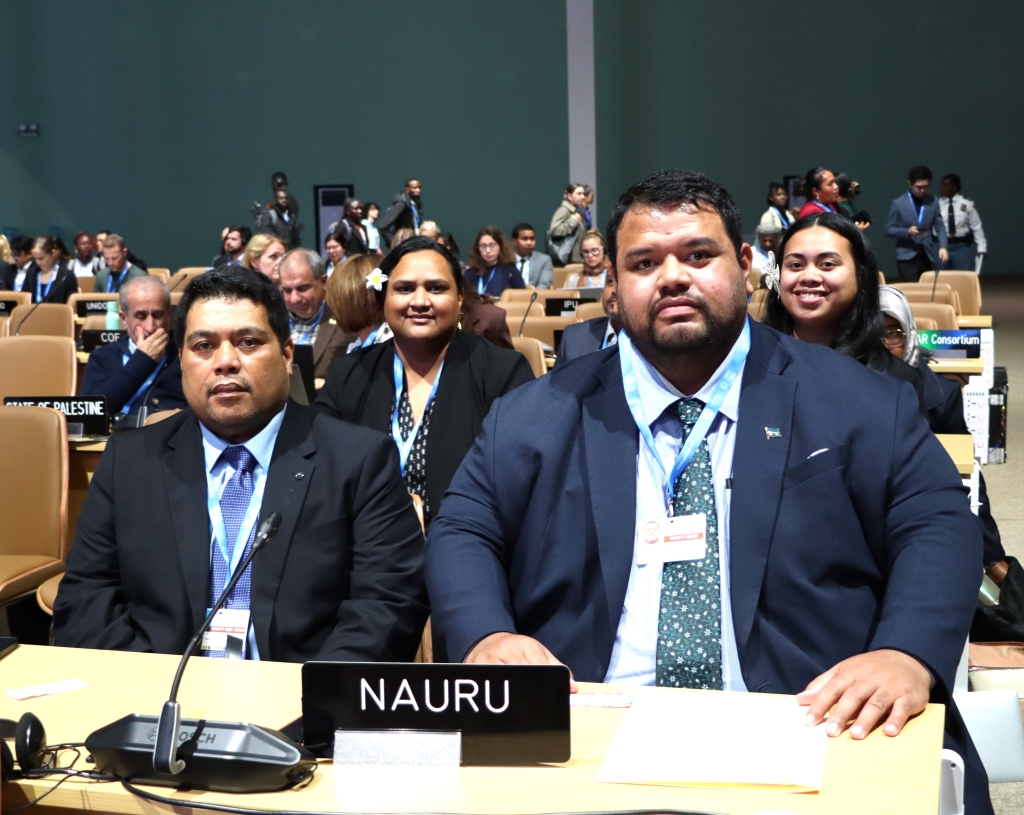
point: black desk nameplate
(7, 306)
(93, 339)
(560, 308)
(92, 308)
(508, 714)
(90, 411)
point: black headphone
(29, 747)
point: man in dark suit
(142, 368)
(836, 558)
(23, 266)
(534, 267)
(173, 508)
(916, 224)
(304, 285)
(592, 335)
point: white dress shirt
(219, 472)
(965, 219)
(634, 656)
(19, 277)
(610, 336)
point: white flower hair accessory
(376, 279)
(771, 273)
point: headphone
(29, 747)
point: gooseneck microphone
(533, 299)
(165, 754)
(24, 319)
(935, 283)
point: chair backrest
(925, 324)
(86, 283)
(94, 322)
(159, 416)
(37, 366)
(19, 298)
(588, 311)
(179, 280)
(162, 274)
(75, 299)
(755, 308)
(34, 500)
(518, 308)
(881, 278)
(41, 320)
(944, 315)
(534, 353)
(520, 295)
(540, 328)
(754, 277)
(561, 275)
(965, 283)
(950, 298)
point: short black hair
(419, 243)
(519, 228)
(919, 173)
(339, 236)
(676, 188)
(234, 283)
(813, 180)
(772, 187)
(952, 177)
(22, 244)
(279, 180)
(243, 231)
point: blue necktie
(690, 618)
(234, 501)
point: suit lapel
(610, 445)
(185, 475)
(285, 493)
(324, 336)
(766, 401)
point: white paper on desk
(32, 691)
(738, 740)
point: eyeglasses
(592, 253)
(894, 336)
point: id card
(228, 631)
(666, 540)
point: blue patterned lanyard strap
(372, 336)
(40, 294)
(920, 212)
(707, 415)
(110, 279)
(481, 287)
(405, 446)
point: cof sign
(90, 411)
(558, 307)
(960, 344)
(91, 339)
(507, 714)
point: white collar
(261, 445)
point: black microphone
(533, 298)
(31, 311)
(935, 284)
(178, 282)
(165, 754)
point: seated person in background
(534, 267)
(769, 239)
(21, 255)
(334, 248)
(142, 368)
(841, 554)
(85, 263)
(595, 263)
(431, 385)
(233, 246)
(945, 405)
(400, 236)
(304, 286)
(117, 270)
(49, 279)
(263, 254)
(491, 268)
(429, 229)
(173, 508)
(354, 304)
(592, 335)
(7, 268)
(778, 213)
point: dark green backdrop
(164, 121)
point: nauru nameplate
(507, 714)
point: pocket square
(816, 452)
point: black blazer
(106, 375)
(342, 580)
(8, 274)
(581, 338)
(361, 389)
(63, 287)
(503, 276)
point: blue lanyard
(707, 416)
(149, 381)
(372, 336)
(219, 532)
(415, 214)
(40, 294)
(920, 212)
(405, 447)
(785, 221)
(304, 339)
(481, 287)
(120, 277)
(823, 207)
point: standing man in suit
(592, 335)
(142, 369)
(916, 224)
(406, 211)
(117, 269)
(173, 508)
(304, 286)
(535, 267)
(837, 559)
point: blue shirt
(634, 656)
(219, 472)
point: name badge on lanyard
(227, 632)
(666, 540)
(405, 446)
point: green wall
(751, 91)
(163, 121)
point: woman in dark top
(431, 385)
(491, 268)
(827, 294)
(51, 279)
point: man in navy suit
(832, 550)
(592, 335)
(916, 224)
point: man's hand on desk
(505, 648)
(870, 687)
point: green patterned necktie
(690, 619)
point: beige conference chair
(37, 366)
(965, 283)
(41, 320)
(534, 352)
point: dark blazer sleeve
(91, 610)
(515, 278)
(106, 376)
